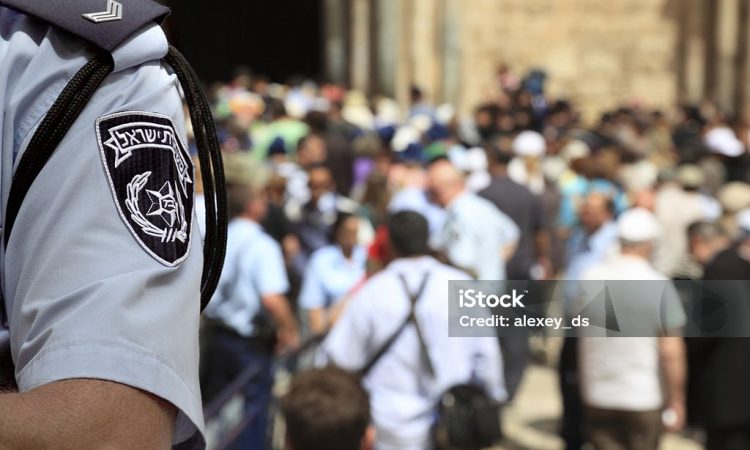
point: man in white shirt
(631, 384)
(403, 394)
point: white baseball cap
(638, 225)
(722, 140)
(529, 143)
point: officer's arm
(85, 413)
(96, 295)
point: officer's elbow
(75, 414)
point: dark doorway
(276, 38)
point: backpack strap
(413, 319)
(104, 23)
(410, 318)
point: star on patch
(163, 204)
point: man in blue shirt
(313, 217)
(333, 274)
(590, 244)
(596, 237)
(249, 299)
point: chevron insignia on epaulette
(113, 12)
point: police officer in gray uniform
(101, 275)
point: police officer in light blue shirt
(101, 274)
(476, 235)
(333, 273)
(254, 268)
(249, 318)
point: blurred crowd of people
(343, 207)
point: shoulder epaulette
(103, 23)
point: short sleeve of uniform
(312, 295)
(89, 300)
(269, 274)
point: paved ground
(531, 422)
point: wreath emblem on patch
(150, 175)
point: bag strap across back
(410, 318)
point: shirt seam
(34, 117)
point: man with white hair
(476, 235)
(630, 385)
(478, 238)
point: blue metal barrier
(213, 409)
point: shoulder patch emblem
(150, 174)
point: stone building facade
(597, 53)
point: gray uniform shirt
(84, 297)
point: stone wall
(597, 53)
